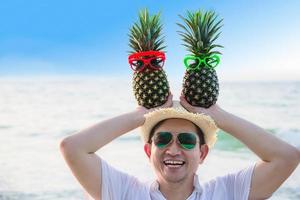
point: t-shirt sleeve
(119, 185)
(239, 184)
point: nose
(173, 149)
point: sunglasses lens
(212, 61)
(137, 64)
(157, 62)
(162, 139)
(187, 140)
(192, 63)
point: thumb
(184, 103)
(169, 101)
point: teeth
(173, 162)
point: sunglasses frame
(146, 61)
(205, 61)
(183, 146)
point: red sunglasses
(154, 59)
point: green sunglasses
(186, 141)
(194, 62)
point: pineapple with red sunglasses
(150, 84)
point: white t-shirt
(117, 185)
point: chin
(175, 179)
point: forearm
(91, 139)
(263, 144)
(279, 159)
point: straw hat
(204, 122)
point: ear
(204, 151)
(147, 149)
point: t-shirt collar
(197, 186)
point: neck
(176, 191)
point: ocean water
(36, 113)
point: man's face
(173, 163)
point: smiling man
(173, 150)
(177, 140)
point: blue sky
(261, 38)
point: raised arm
(79, 149)
(278, 158)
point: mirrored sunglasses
(186, 141)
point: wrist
(219, 116)
(138, 116)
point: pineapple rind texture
(201, 88)
(150, 87)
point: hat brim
(204, 122)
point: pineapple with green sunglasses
(199, 32)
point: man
(177, 139)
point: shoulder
(115, 175)
(117, 184)
(234, 185)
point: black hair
(199, 132)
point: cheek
(155, 156)
(195, 158)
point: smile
(174, 163)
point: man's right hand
(79, 149)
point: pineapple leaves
(146, 34)
(199, 31)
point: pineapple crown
(200, 30)
(145, 35)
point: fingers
(182, 99)
(169, 102)
(185, 104)
(189, 107)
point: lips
(174, 163)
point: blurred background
(63, 67)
